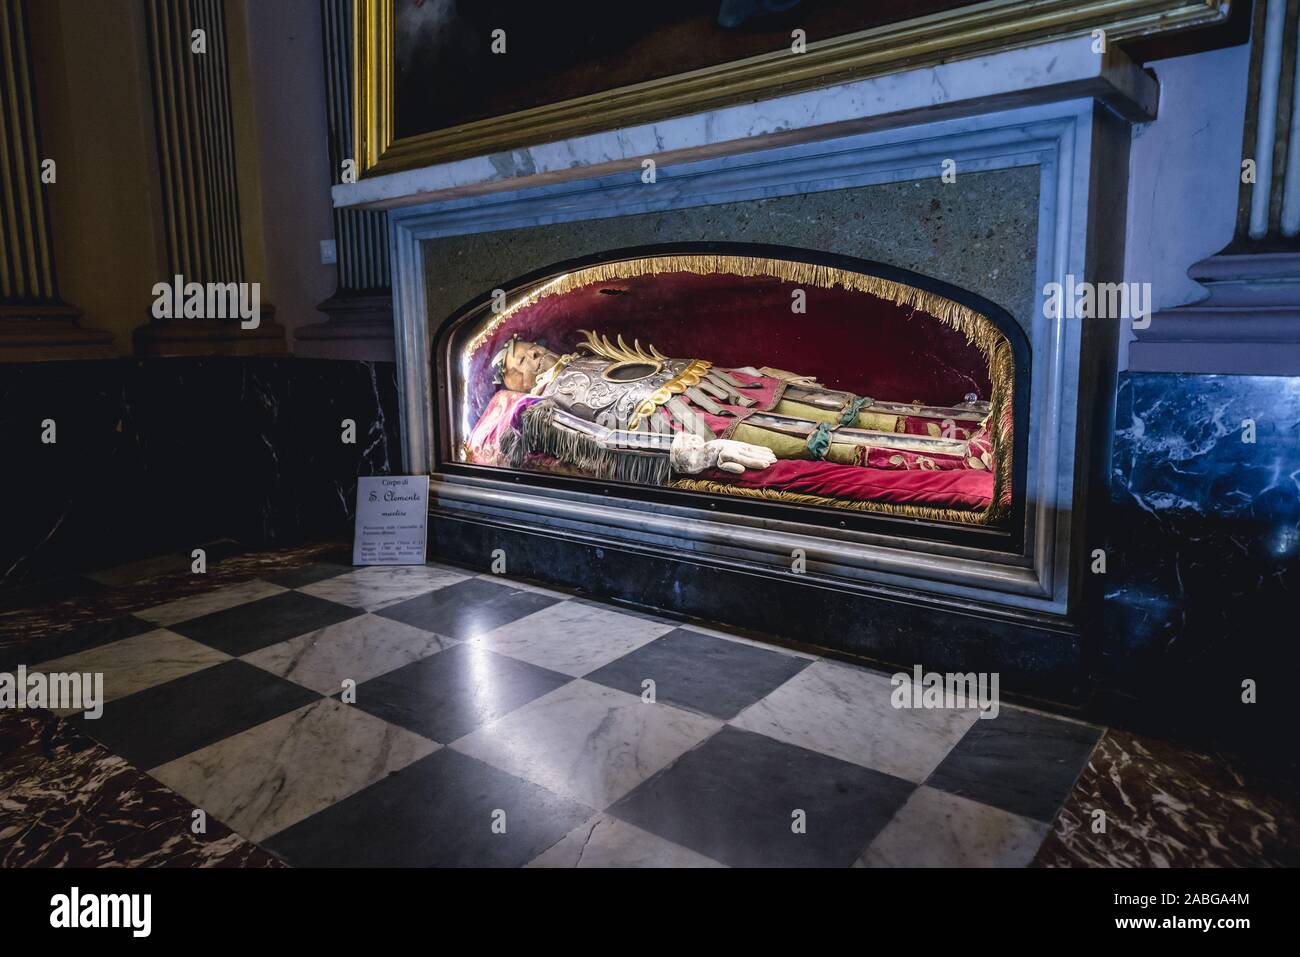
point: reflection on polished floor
(322, 715)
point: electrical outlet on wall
(329, 252)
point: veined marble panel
(275, 774)
(1203, 553)
(69, 802)
(358, 649)
(1165, 806)
(136, 663)
(573, 638)
(606, 841)
(197, 606)
(588, 742)
(937, 829)
(847, 713)
(374, 588)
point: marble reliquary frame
(1073, 132)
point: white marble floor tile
(381, 585)
(572, 638)
(846, 712)
(136, 663)
(587, 741)
(938, 829)
(360, 648)
(278, 773)
(219, 600)
(606, 841)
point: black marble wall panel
(53, 493)
(1203, 550)
(158, 454)
(326, 393)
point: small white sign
(392, 520)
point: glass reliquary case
(755, 376)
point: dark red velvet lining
(847, 340)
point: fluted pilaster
(360, 323)
(35, 322)
(1268, 209)
(194, 133)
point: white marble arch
(1080, 148)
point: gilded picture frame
(923, 41)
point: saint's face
(524, 362)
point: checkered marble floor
(430, 716)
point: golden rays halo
(601, 346)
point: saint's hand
(692, 455)
(739, 456)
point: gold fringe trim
(975, 326)
(1002, 373)
(961, 516)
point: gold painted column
(35, 323)
(1268, 210)
(195, 138)
(360, 323)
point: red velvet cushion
(964, 489)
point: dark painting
(446, 72)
